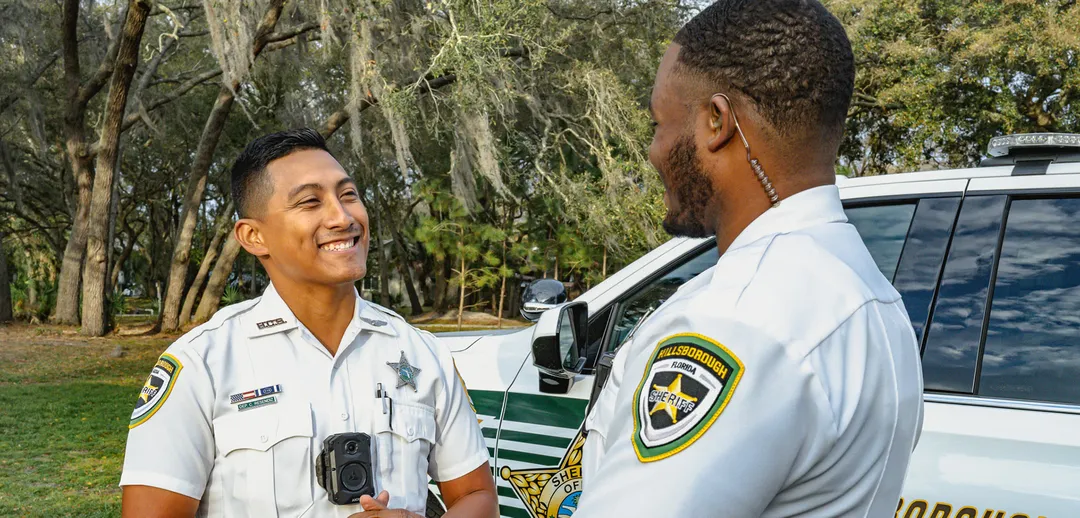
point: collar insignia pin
(270, 323)
(372, 321)
(406, 373)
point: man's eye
(653, 124)
(349, 194)
(310, 202)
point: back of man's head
(790, 58)
(250, 185)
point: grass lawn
(64, 409)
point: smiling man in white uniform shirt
(234, 413)
(786, 380)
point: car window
(1032, 349)
(597, 326)
(653, 294)
(953, 336)
(924, 252)
(883, 229)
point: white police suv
(988, 263)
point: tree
(5, 285)
(204, 153)
(936, 80)
(95, 320)
(222, 228)
(79, 95)
(215, 287)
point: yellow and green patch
(689, 380)
(156, 390)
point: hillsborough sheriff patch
(688, 382)
(156, 389)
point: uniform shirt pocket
(266, 460)
(403, 441)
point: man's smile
(340, 245)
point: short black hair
(790, 58)
(249, 181)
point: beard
(689, 190)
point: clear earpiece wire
(754, 163)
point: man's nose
(337, 217)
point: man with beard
(786, 380)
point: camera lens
(353, 476)
(351, 447)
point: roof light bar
(1002, 146)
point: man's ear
(721, 123)
(250, 236)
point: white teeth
(338, 246)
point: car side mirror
(541, 295)
(559, 340)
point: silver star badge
(406, 373)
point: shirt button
(410, 430)
(263, 438)
(344, 416)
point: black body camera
(343, 468)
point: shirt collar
(805, 209)
(272, 315)
(368, 318)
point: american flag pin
(252, 394)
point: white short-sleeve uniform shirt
(783, 382)
(234, 413)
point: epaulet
(388, 311)
(223, 315)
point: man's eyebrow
(346, 181)
(300, 188)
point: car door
(538, 449)
(1001, 358)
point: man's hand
(376, 508)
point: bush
(231, 296)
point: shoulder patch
(156, 390)
(688, 381)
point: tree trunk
(200, 168)
(5, 285)
(32, 298)
(215, 287)
(502, 286)
(441, 269)
(204, 156)
(78, 154)
(253, 290)
(461, 293)
(114, 208)
(406, 272)
(96, 268)
(384, 269)
(221, 229)
(129, 247)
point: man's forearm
(478, 504)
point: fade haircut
(250, 184)
(790, 58)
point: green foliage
(118, 304)
(511, 134)
(936, 80)
(232, 295)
